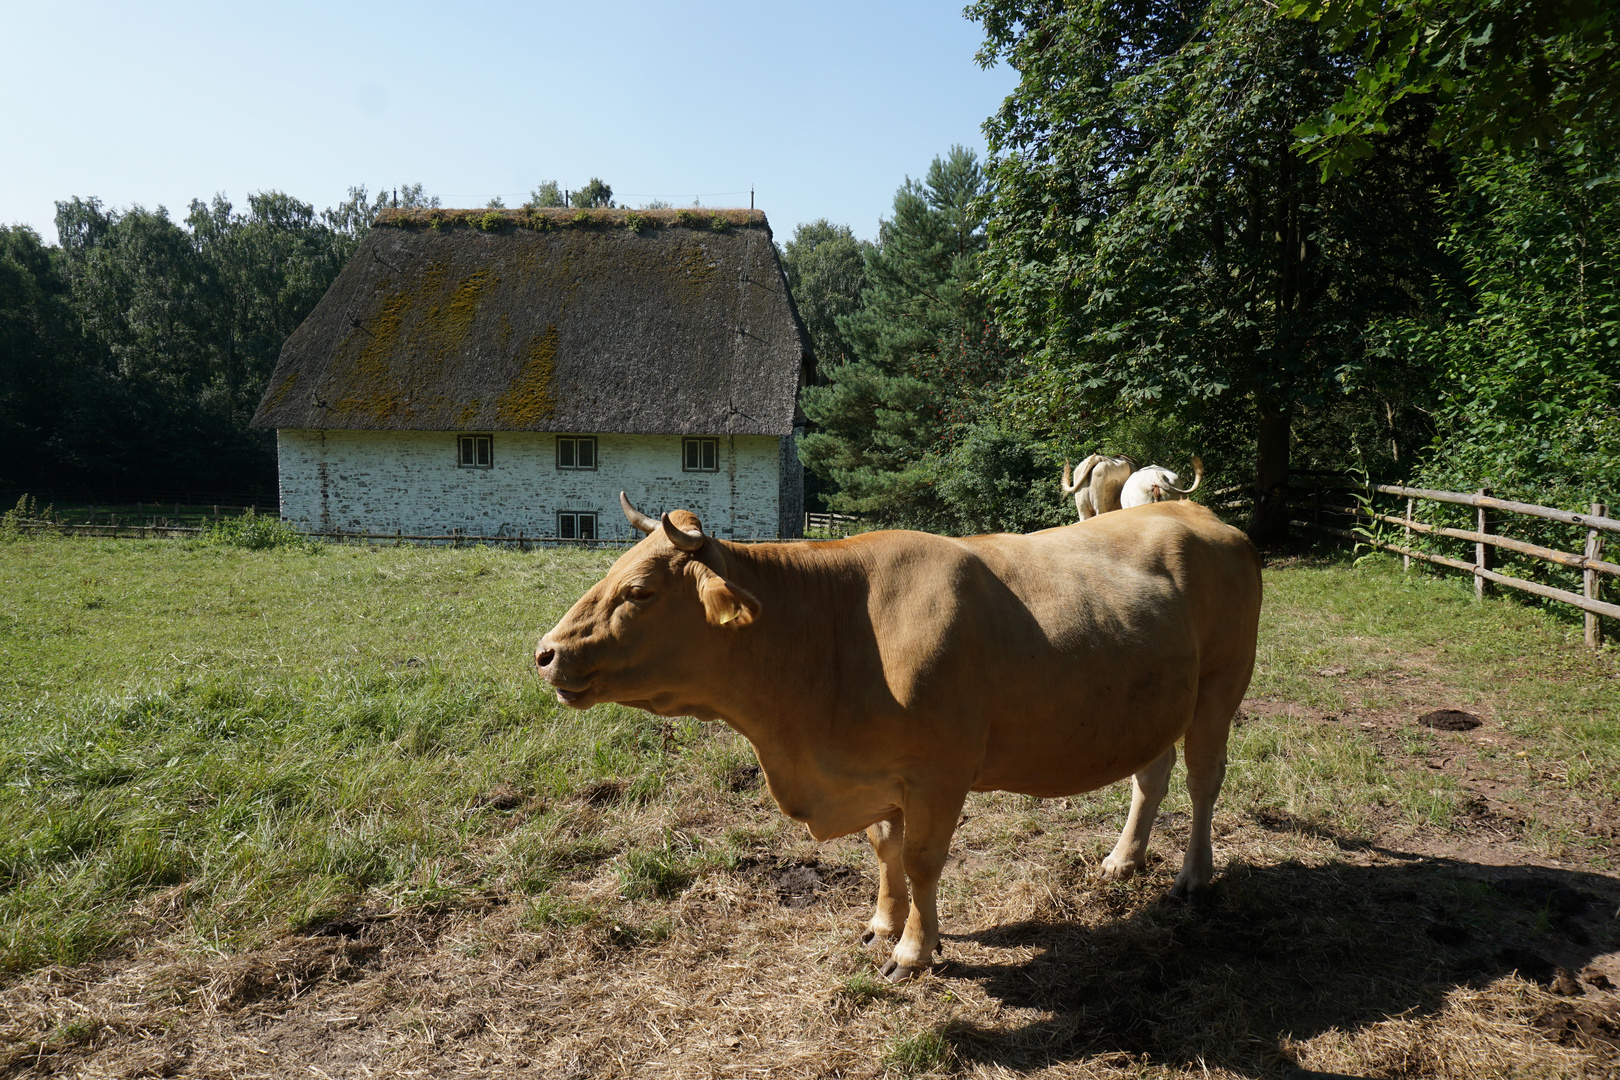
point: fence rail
(1485, 538)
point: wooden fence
(831, 524)
(1354, 502)
(158, 528)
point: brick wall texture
(411, 482)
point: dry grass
(1305, 955)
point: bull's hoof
(897, 972)
(1188, 892)
(1118, 871)
(872, 933)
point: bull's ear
(725, 603)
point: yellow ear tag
(728, 616)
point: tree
(39, 354)
(593, 194)
(921, 355)
(548, 194)
(826, 272)
(1527, 348)
(351, 219)
(1157, 244)
(181, 326)
(1514, 73)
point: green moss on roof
(529, 401)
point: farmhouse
(508, 372)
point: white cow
(1157, 484)
(1096, 483)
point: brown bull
(883, 677)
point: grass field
(262, 811)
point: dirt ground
(1488, 948)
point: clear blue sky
(823, 107)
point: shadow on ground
(1288, 952)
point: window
(700, 455)
(574, 525)
(474, 452)
(576, 451)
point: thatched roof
(675, 322)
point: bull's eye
(639, 593)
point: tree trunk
(1269, 524)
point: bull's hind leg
(1147, 791)
(1219, 694)
(893, 902)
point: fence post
(1406, 560)
(1482, 551)
(1591, 584)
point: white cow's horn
(637, 518)
(681, 538)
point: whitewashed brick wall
(409, 481)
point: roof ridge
(548, 218)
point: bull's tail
(1084, 477)
(1198, 478)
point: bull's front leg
(925, 842)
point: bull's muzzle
(548, 660)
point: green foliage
(176, 328)
(1156, 245)
(14, 520)
(548, 194)
(718, 223)
(995, 480)
(1528, 352)
(826, 273)
(40, 350)
(259, 532)
(1505, 73)
(490, 222)
(594, 195)
(636, 222)
(923, 354)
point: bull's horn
(681, 538)
(1198, 477)
(637, 518)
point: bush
(258, 532)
